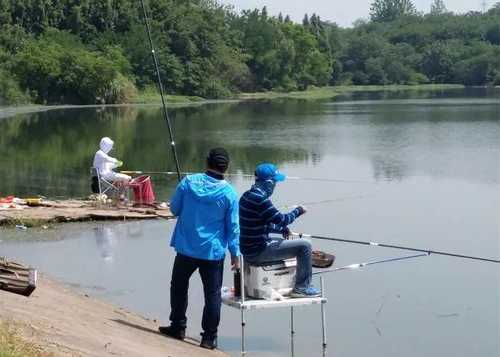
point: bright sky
(343, 12)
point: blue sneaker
(305, 292)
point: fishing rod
(136, 172)
(338, 199)
(318, 179)
(428, 251)
(361, 265)
(160, 85)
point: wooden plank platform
(77, 211)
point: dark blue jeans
(211, 277)
(279, 249)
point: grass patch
(25, 221)
(331, 92)
(150, 95)
(12, 345)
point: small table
(247, 304)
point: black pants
(211, 277)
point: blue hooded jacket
(208, 220)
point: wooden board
(77, 211)
(17, 278)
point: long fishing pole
(361, 265)
(318, 179)
(160, 85)
(428, 251)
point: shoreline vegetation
(13, 345)
(60, 52)
(314, 93)
(335, 91)
(151, 95)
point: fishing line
(326, 201)
(383, 245)
(321, 179)
(160, 86)
(317, 179)
(373, 262)
(253, 176)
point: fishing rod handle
(300, 235)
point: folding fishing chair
(103, 184)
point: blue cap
(268, 171)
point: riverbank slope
(66, 323)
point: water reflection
(50, 152)
(105, 240)
(427, 175)
(424, 94)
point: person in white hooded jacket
(105, 163)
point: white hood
(106, 144)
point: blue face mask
(266, 185)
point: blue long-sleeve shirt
(207, 223)
(258, 218)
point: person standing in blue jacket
(206, 207)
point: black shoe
(174, 332)
(209, 343)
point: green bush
(493, 34)
(214, 88)
(10, 92)
(360, 78)
(476, 71)
(418, 78)
(60, 71)
(121, 91)
(496, 81)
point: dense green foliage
(97, 51)
(390, 10)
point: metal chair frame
(104, 185)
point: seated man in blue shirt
(206, 207)
(259, 217)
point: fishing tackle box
(262, 279)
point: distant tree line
(97, 51)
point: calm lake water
(419, 169)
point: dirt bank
(71, 324)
